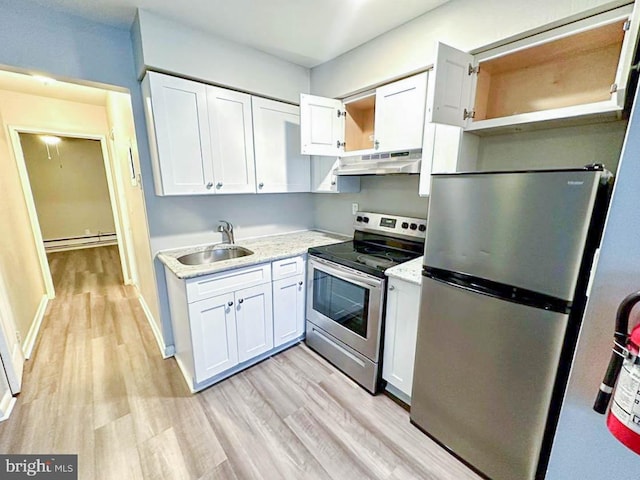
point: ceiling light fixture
(50, 139)
(44, 80)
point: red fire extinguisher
(623, 420)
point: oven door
(346, 304)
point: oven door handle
(345, 273)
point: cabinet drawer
(220, 283)
(288, 267)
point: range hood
(406, 161)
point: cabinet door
(179, 127)
(401, 327)
(399, 117)
(280, 168)
(231, 140)
(213, 335)
(254, 321)
(451, 94)
(323, 180)
(321, 125)
(288, 309)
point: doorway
(70, 193)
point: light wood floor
(97, 386)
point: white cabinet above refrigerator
(577, 72)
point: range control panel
(390, 224)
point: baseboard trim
(6, 405)
(165, 351)
(30, 340)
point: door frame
(120, 215)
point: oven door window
(341, 301)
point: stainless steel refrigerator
(505, 278)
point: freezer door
(483, 377)
(526, 229)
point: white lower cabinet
(213, 334)
(254, 321)
(288, 309)
(401, 328)
(225, 322)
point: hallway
(88, 386)
(97, 386)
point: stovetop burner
(379, 242)
(373, 259)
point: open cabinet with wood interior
(389, 118)
(577, 72)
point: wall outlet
(354, 208)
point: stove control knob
(358, 218)
(405, 225)
(413, 226)
(422, 227)
(366, 219)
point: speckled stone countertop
(410, 271)
(265, 249)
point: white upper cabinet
(399, 114)
(211, 140)
(576, 72)
(322, 125)
(280, 168)
(177, 121)
(324, 179)
(231, 133)
(383, 120)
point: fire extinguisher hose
(619, 353)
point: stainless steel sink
(214, 254)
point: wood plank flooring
(97, 386)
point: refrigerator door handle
(498, 290)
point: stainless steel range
(346, 289)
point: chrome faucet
(226, 228)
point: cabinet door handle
(300, 283)
(260, 185)
(219, 185)
(209, 185)
(391, 287)
(333, 182)
(376, 144)
(241, 300)
(230, 304)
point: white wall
(18, 254)
(120, 118)
(556, 148)
(464, 24)
(69, 189)
(394, 194)
(583, 447)
(164, 45)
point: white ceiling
(306, 32)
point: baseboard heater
(85, 241)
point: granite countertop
(410, 271)
(265, 249)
